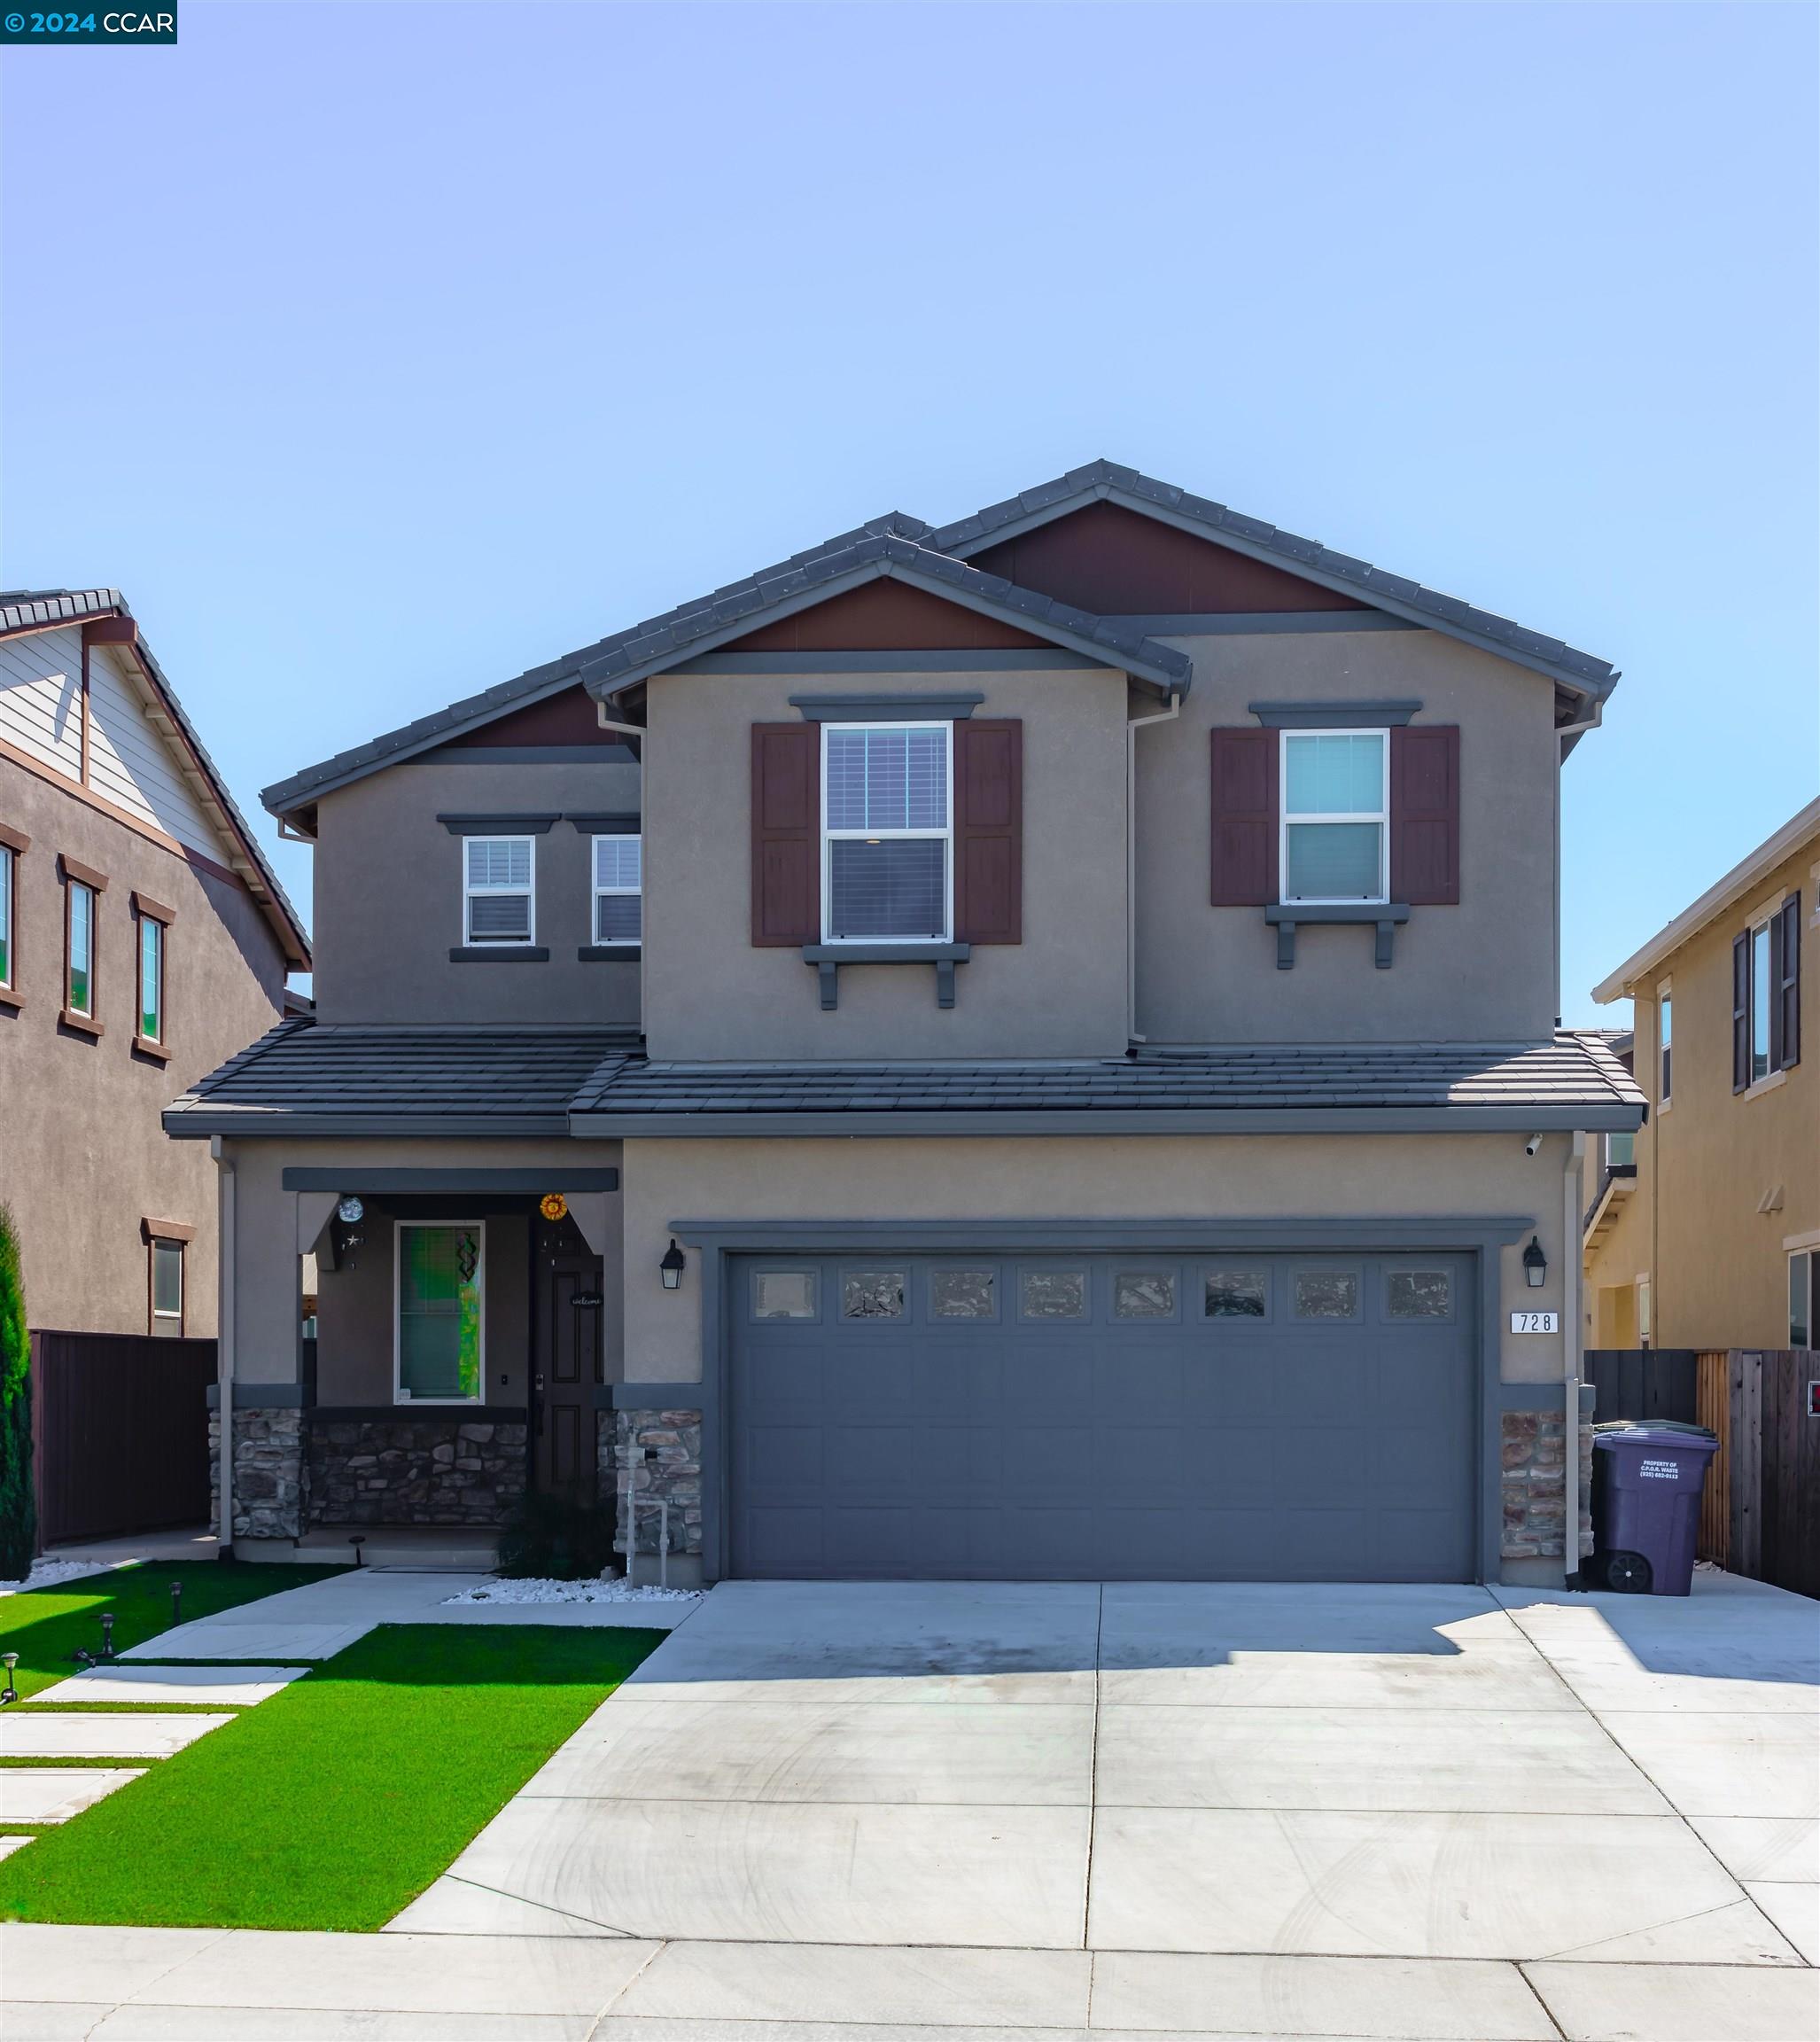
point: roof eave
(1588, 688)
(197, 1123)
(1158, 673)
(1726, 892)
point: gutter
(1571, 1257)
(225, 1353)
(1132, 725)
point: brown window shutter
(1788, 983)
(785, 834)
(1741, 1011)
(1245, 818)
(989, 830)
(1424, 814)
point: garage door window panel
(1236, 1293)
(1052, 1294)
(964, 1294)
(786, 1293)
(1329, 1297)
(1144, 1294)
(873, 1293)
(1419, 1294)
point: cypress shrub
(19, 1515)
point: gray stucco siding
(388, 897)
(711, 995)
(1485, 970)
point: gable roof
(886, 547)
(1743, 879)
(1105, 481)
(936, 559)
(23, 611)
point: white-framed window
(167, 1289)
(80, 945)
(619, 886)
(1763, 994)
(439, 1321)
(8, 867)
(1336, 847)
(1621, 1150)
(499, 888)
(1803, 1296)
(887, 832)
(1665, 1043)
(1644, 1319)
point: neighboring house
(1713, 1237)
(1022, 1049)
(143, 936)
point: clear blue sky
(380, 352)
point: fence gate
(120, 1433)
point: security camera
(1532, 1144)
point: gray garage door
(1103, 1418)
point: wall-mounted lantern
(1534, 1264)
(672, 1267)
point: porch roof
(303, 1078)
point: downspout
(224, 1351)
(1570, 1358)
(1133, 724)
(638, 731)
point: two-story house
(1019, 1049)
(142, 938)
(1705, 1230)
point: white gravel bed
(534, 1591)
(54, 1573)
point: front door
(565, 1362)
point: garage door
(1103, 1418)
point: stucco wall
(355, 1324)
(709, 995)
(1717, 1265)
(1065, 1178)
(388, 897)
(1485, 970)
(83, 1156)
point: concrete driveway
(1326, 1811)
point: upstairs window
(1665, 1009)
(1336, 815)
(151, 979)
(887, 832)
(618, 882)
(167, 1288)
(8, 867)
(496, 898)
(1766, 996)
(79, 995)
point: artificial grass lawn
(45, 1625)
(337, 1802)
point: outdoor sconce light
(672, 1267)
(1534, 1264)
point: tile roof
(44, 609)
(445, 1081)
(1567, 1074)
(1106, 479)
(435, 1081)
(888, 545)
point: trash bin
(1646, 1484)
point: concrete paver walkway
(858, 1814)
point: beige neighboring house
(142, 938)
(1703, 1230)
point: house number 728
(1535, 1321)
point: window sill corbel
(1385, 914)
(828, 957)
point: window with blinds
(619, 888)
(496, 895)
(887, 832)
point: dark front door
(1244, 1416)
(565, 1361)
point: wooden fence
(1759, 1511)
(120, 1433)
